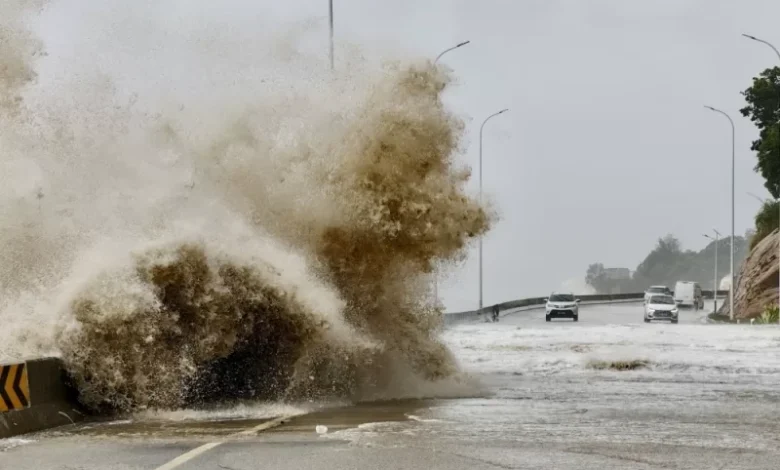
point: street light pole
(481, 128)
(778, 148)
(436, 271)
(450, 49)
(715, 281)
(435, 288)
(330, 21)
(733, 152)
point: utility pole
(715, 281)
(733, 162)
(330, 18)
(436, 270)
(481, 128)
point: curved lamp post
(481, 128)
(450, 49)
(733, 147)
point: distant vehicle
(661, 307)
(653, 290)
(688, 293)
(562, 306)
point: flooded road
(607, 392)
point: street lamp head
(751, 37)
(503, 110)
(450, 49)
(710, 108)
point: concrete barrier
(538, 302)
(35, 397)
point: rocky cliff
(757, 284)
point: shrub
(771, 314)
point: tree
(766, 221)
(661, 261)
(595, 277)
(668, 263)
(763, 108)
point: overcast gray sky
(607, 145)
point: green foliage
(667, 256)
(763, 108)
(595, 277)
(767, 221)
(668, 263)
(770, 315)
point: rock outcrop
(757, 284)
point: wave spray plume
(277, 244)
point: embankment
(757, 282)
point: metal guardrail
(450, 318)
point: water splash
(275, 246)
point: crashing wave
(279, 248)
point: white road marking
(186, 457)
(263, 426)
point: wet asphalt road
(707, 397)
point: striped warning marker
(14, 387)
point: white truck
(688, 293)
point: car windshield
(657, 289)
(662, 299)
(561, 298)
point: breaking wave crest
(278, 247)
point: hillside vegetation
(668, 263)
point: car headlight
(650, 310)
(674, 311)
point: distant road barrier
(452, 318)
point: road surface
(706, 397)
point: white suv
(661, 307)
(562, 306)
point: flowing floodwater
(271, 237)
(698, 396)
(700, 391)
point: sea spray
(277, 246)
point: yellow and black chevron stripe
(14, 387)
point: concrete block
(39, 397)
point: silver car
(661, 307)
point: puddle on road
(161, 429)
(335, 418)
